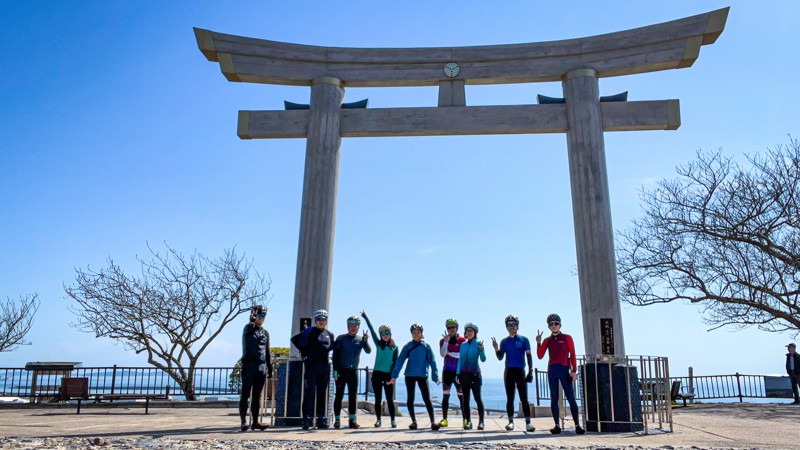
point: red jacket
(561, 348)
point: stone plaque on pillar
(305, 322)
(607, 336)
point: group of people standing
(461, 369)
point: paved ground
(740, 426)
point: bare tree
(172, 310)
(16, 318)
(724, 236)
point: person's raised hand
(494, 343)
(538, 337)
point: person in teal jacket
(385, 357)
(420, 357)
(468, 372)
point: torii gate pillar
(318, 211)
(591, 211)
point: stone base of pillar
(289, 393)
(612, 398)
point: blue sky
(115, 131)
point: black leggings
(379, 380)
(471, 382)
(514, 377)
(426, 396)
(348, 378)
(253, 380)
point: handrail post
(739, 387)
(113, 377)
(366, 383)
(536, 384)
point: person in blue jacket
(314, 344)
(420, 357)
(517, 350)
(468, 373)
(346, 356)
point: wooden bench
(74, 388)
(146, 397)
(675, 393)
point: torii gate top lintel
(668, 45)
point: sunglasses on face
(261, 316)
(553, 324)
(451, 327)
(386, 333)
(511, 325)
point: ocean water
(493, 394)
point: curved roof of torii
(669, 45)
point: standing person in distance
(314, 344)
(420, 357)
(385, 357)
(517, 350)
(793, 369)
(346, 355)
(256, 366)
(562, 368)
(449, 346)
(468, 373)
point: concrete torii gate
(577, 63)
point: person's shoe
(480, 425)
(579, 430)
(443, 423)
(244, 427)
(510, 426)
(435, 426)
(468, 425)
(337, 424)
(555, 430)
(353, 424)
(413, 426)
(529, 427)
(305, 424)
(378, 423)
(394, 424)
(322, 424)
(258, 426)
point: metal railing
(18, 382)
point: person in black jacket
(314, 344)
(256, 366)
(793, 369)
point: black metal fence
(704, 387)
(210, 381)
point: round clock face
(451, 69)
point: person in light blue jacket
(469, 373)
(420, 357)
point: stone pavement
(734, 425)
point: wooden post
(318, 214)
(591, 210)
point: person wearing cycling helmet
(468, 372)
(386, 352)
(419, 356)
(517, 350)
(256, 366)
(561, 368)
(314, 344)
(449, 346)
(346, 355)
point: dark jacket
(347, 351)
(255, 348)
(796, 364)
(314, 344)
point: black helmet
(512, 318)
(321, 314)
(416, 326)
(553, 318)
(354, 320)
